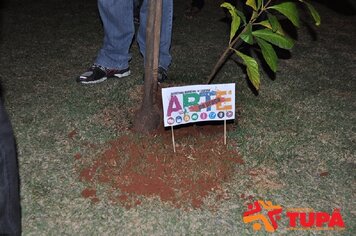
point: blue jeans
(119, 30)
(10, 220)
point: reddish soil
(134, 167)
(325, 173)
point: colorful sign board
(196, 103)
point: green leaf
(289, 10)
(252, 69)
(274, 38)
(259, 4)
(268, 25)
(247, 34)
(268, 54)
(314, 13)
(274, 22)
(242, 16)
(254, 15)
(235, 23)
(252, 3)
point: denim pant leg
(165, 57)
(119, 29)
(10, 220)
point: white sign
(196, 103)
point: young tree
(262, 31)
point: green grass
(299, 126)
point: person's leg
(117, 18)
(165, 57)
(113, 58)
(10, 212)
(137, 7)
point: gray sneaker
(97, 74)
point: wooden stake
(173, 142)
(224, 132)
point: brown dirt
(134, 167)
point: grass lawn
(296, 138)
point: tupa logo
(265, 213)
(269, 221)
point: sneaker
(97, 74)
(162, 75)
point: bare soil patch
(133, 167)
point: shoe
(162, 75)
(97, 74)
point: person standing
(113, 58)
(10, 212)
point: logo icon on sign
(170, 120)
(229, 114)
(195, 116)
(203, 116)
(221, 114)
(178, 119)
(212, 115)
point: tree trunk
(147, 118)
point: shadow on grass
(282, 54)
